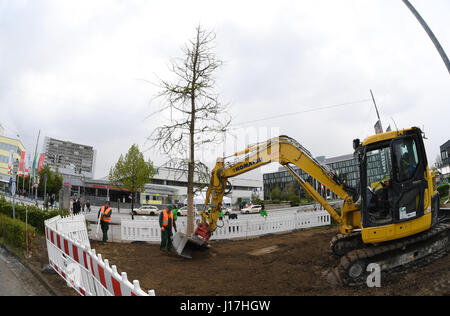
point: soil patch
(291, 264)
(276, 265)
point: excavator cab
(394, 178)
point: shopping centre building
(168, 186)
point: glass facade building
(345, 167)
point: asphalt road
(17, 280)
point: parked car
(229, 211)
(147, 210)
(183, 211)
(251, 209)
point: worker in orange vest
(105, 219)
(166, 222)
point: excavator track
(341, 244)
(394, 256)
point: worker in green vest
(263, 211)
(175, 212)
(221, 215)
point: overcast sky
(80, 70)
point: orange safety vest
(105, 215)
(165, 219)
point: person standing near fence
(76, 206)
(263, 211)
(166, 222)
(105, 219)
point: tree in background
(197, 118)
(275, 195)
(54, 182)
(132, 172)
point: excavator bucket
(185, 245)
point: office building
(70, 158)
(345, 167)
(168, 185)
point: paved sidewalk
(17, 280)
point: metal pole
(430, 34)
(373, 99)
(34, 171)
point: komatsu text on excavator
(393, 218)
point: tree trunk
(190, 191)
(191, 166)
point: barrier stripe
(51, 237)
(58, 240)
(85, 261)
(66, 247)
(116, 287)
(92, 269)
(75, 253)
(101, 273)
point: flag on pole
(10, 162)
(33, 169)
(27, 166)
(21, 164)
(378, 127)
(41, 162)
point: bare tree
(438, 164)
(197, 117)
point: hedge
(36, 216)
(443, 189)
(13, 232)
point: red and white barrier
(80, 266)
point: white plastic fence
(249, 226)
(72, 258)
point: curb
(33, 271)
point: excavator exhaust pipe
(185, 245)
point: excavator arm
(287, 152)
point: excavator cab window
(378, 185)
(406, 159)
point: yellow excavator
(393, 218)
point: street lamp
(430, 34)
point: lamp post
(430, 34)
(13, 186)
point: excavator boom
(288, 152)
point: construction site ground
(288, 264)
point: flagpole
(378, 115)
(34, 163)
(374, 103)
